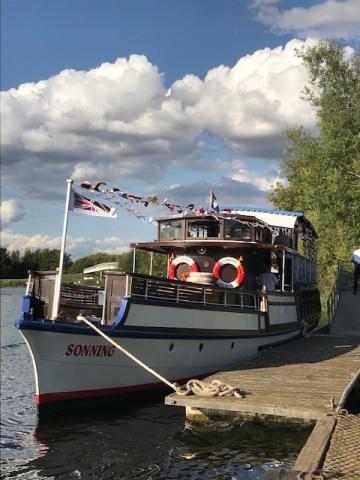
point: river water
(143, 441)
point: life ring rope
(174, 264)
(235, 263)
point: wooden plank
(313, 452)
(295, 380)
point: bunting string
(131, 203)
(128, 201)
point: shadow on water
(149, 442)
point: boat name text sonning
(89, 350)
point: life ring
(229, 261)
(177, 261)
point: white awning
(102, 267)
(281, 220)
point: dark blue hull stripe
(50, 326)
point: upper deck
(231, 228)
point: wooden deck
(333, 447)
(302, 379)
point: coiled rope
(195, 387)
(214, 389)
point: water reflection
(149, 442)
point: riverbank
(12, 282)
(67, 278)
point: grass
(67, 278)
(13, 282)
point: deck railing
(146, 287)
(79, 294)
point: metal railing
(342, 280)
(150, 288)
(79, 294)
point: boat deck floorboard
(302, 379)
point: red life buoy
(177, 261)
(229, 261)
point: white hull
(67, 366)
(72, 362)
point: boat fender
(177, 261)
(235, 263)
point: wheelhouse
(282, 242)
(232, 227)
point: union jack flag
(213, 203)
(82, 204)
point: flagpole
(57, 287)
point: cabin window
(263, 235)
(259, 234)
(203, 229)
(237, 230)
(171, 230)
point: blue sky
(156, 97)
(41, 38)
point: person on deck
(267, 279)
(355, 258)
(282, 239)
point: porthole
(232, 345)
(201, 346)
(171, 347)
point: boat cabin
(213, 260)
(233, 248)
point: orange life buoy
(229, 261)
(177, 261)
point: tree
(5, 263)
(15, 265)
(322, 168)
(81, 263)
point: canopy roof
(276, 218)
(101, 267)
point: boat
(205, 314)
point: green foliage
(15, 265)
(323, 168)
(5, 263)
(143, 262)
(80, 264)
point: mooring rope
(214, 389)
(194, 386)
(126, 352)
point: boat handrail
(161, 289)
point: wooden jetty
(303, 379)
(307, 380)
(333, 447)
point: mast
(57, 287)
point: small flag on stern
(81, 204)
(213, 203)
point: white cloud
(77, 247)
(10, 211)
(113, 245)
(118, 121)
(326, 19)
(242, 188)
(19, 241)
(265, 181)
